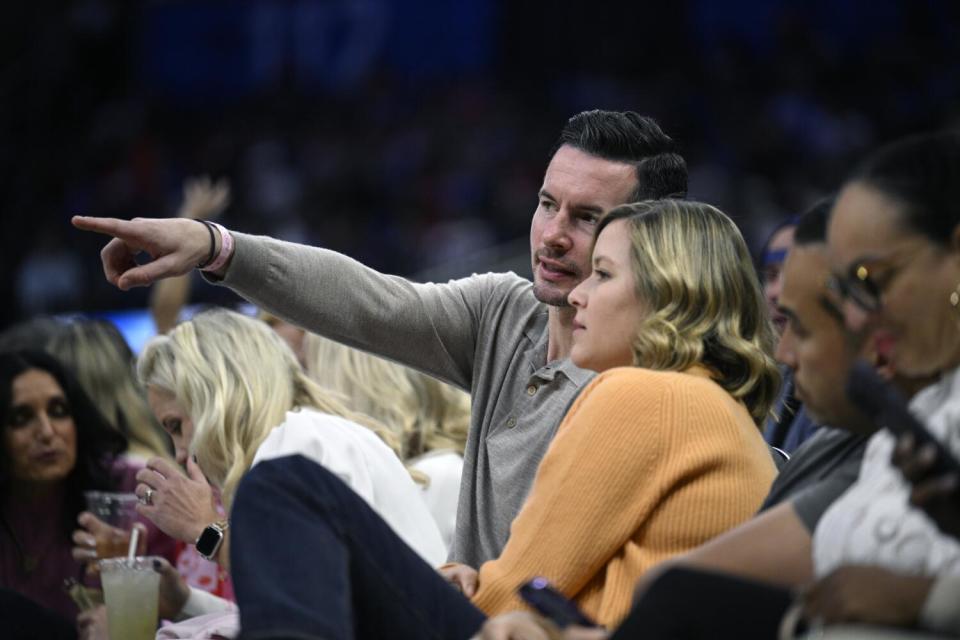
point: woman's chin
(580, 359)
(917, 367)
(599, 362)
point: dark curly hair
(98, 445)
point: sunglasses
(858, 288)
(863, 284)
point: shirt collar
(574, 374)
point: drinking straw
(132, 550)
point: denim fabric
(309, 558)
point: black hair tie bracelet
(213, 245)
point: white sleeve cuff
(201, 603)
(941, 610)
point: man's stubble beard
(549, 297)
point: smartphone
(553, 605)
(883, 404)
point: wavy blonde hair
(425, 413)
(98, 355)
(694, 275)
(236, 379)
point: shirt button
(532, 389)
(511, 422)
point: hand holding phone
(553, 605)
(883, 404)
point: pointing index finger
(108, 226)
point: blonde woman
(292, 334)
(431, 418)
(231, 394)
(661, 452)
(98, 355)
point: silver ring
(148, 496)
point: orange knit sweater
(646, 465)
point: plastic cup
(116, 509)
(131, 590)
(119, 511)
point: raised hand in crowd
(938, 496)
(202, 199)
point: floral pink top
(202, 573)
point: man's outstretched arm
(432, 327)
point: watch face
(209, 540)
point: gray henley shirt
(486, 334)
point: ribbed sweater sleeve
(646, 465)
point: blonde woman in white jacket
(231, 394)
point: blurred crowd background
(413, 134)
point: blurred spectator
(102, 362)
(32, 335)
(431, 418)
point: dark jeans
(311, 559)
(686, 604)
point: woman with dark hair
(55, 446)
(101, 360)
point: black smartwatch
(211, 538)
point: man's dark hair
(812, 224)
(625, 136)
